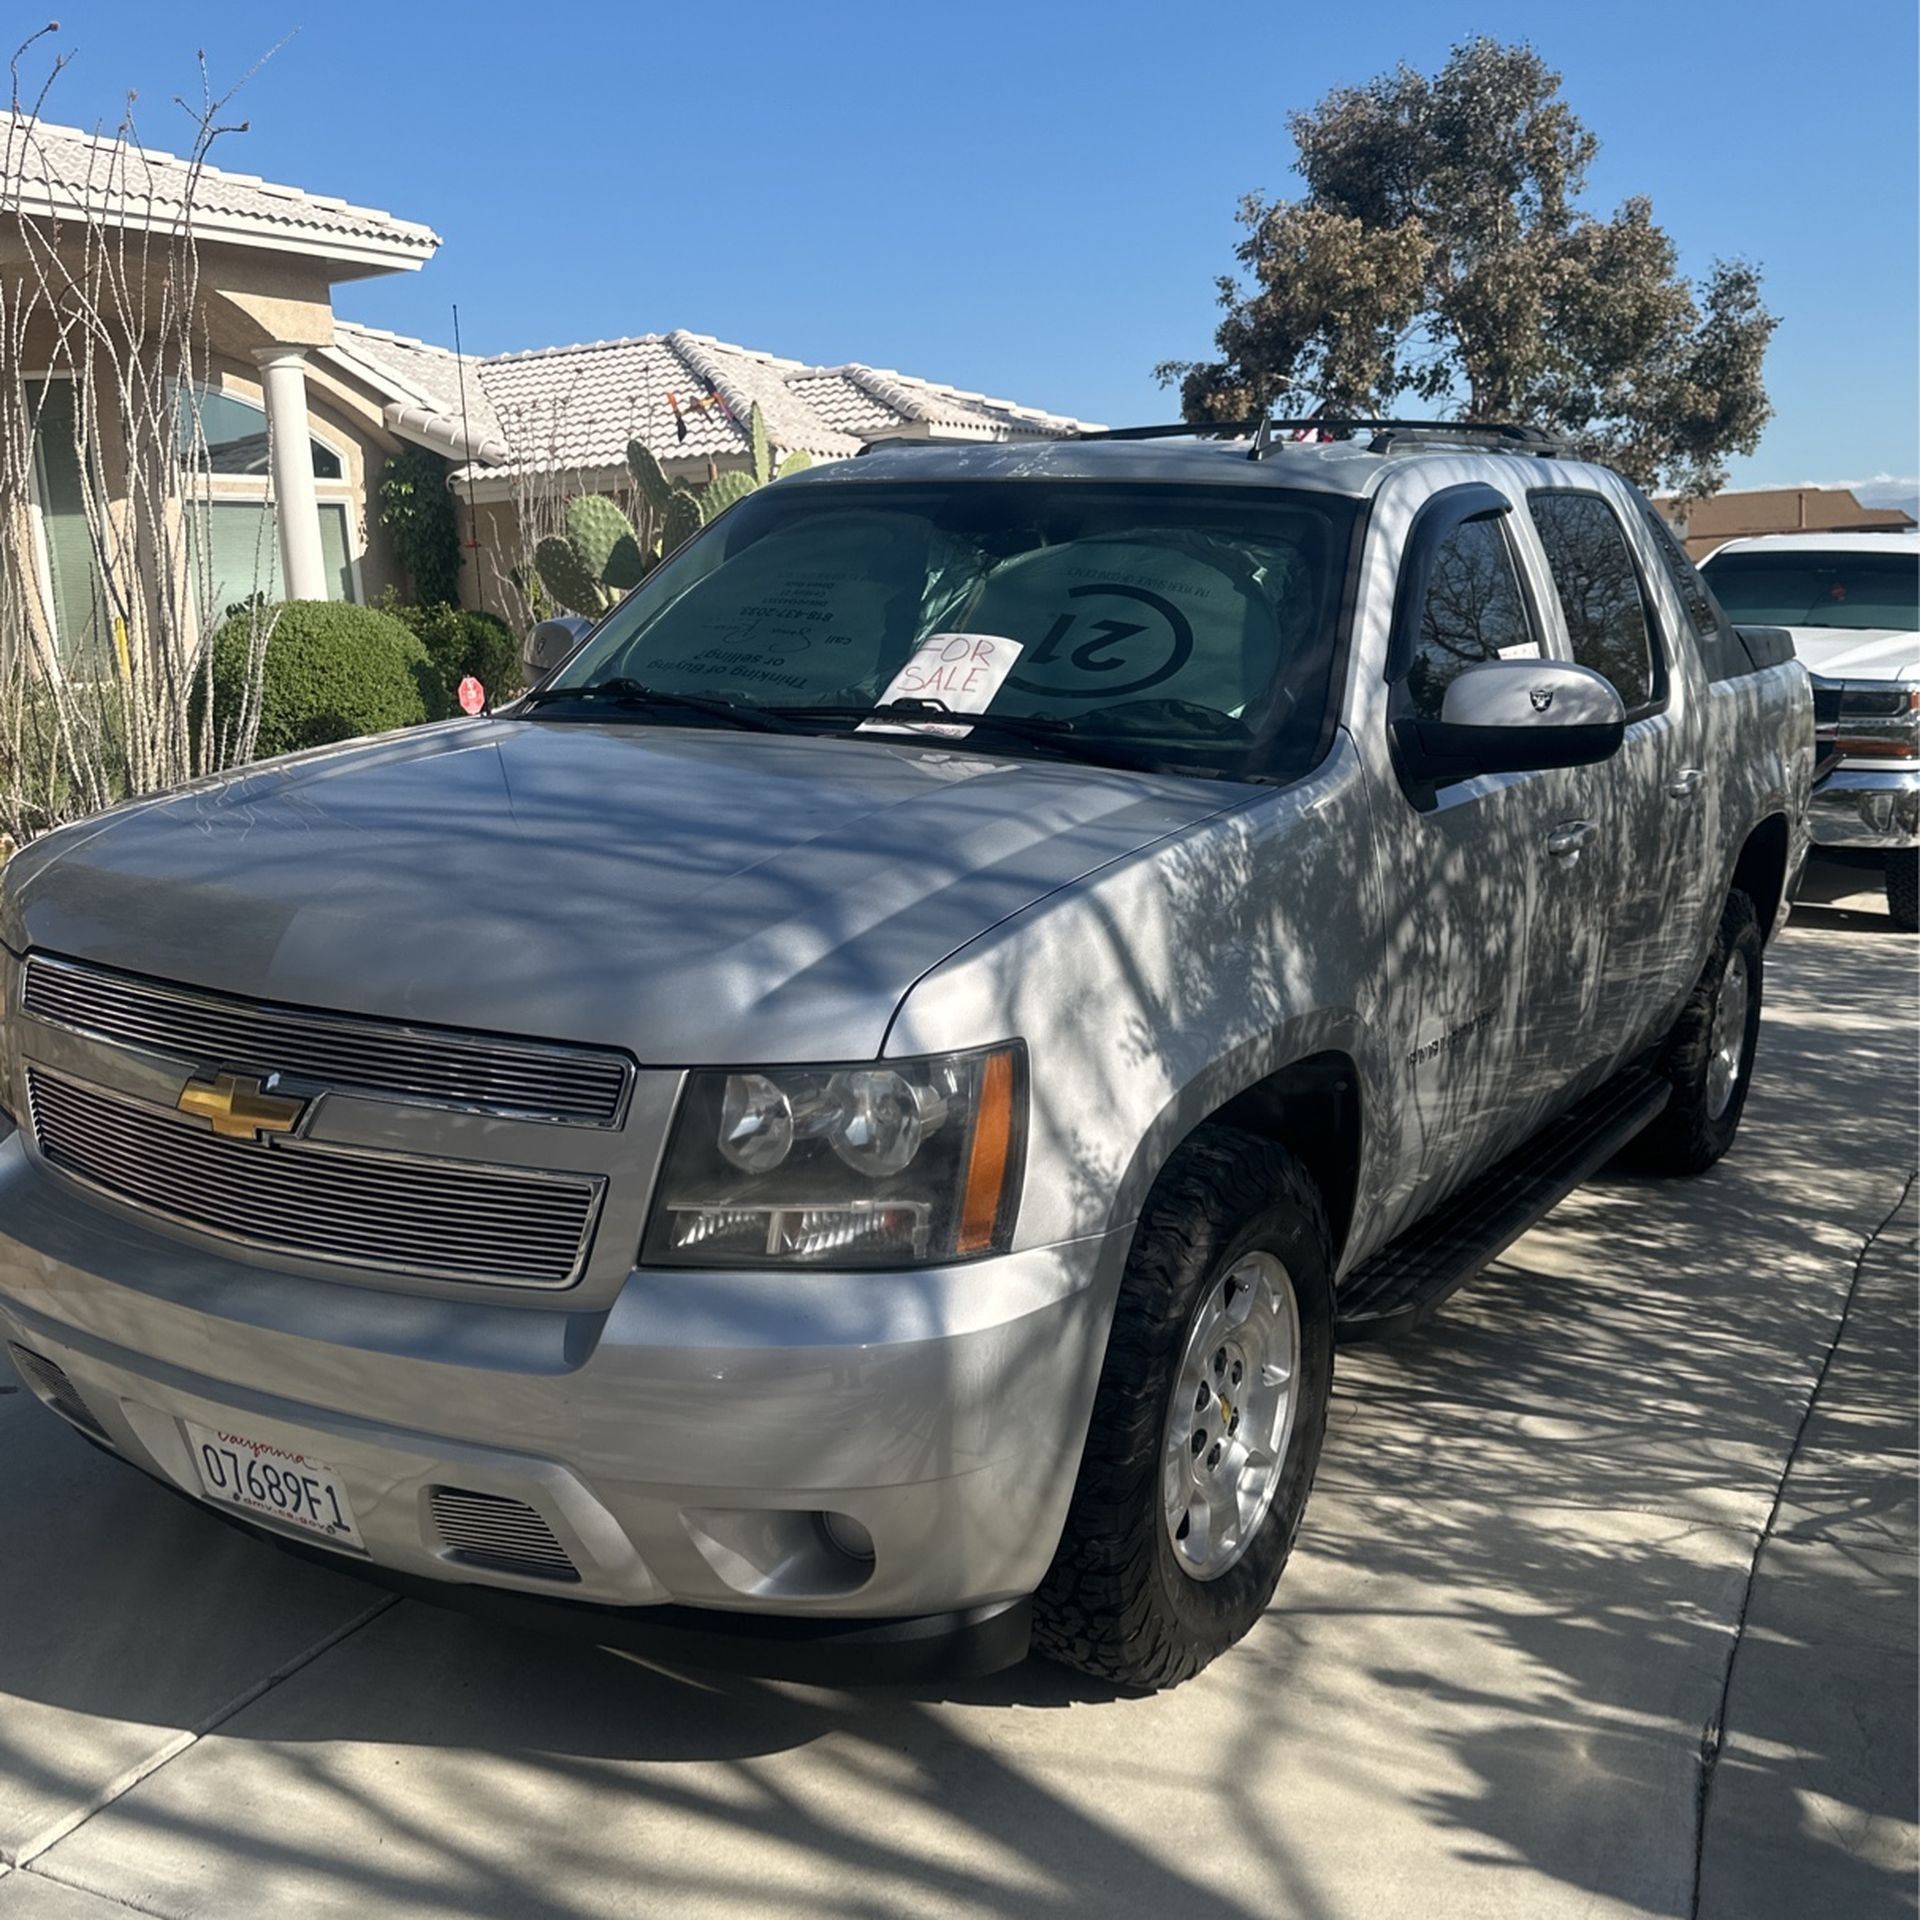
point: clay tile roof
(689, 396)
(430, 394)
(66, 172)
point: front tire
(1207, 1424)
(1709, 1054)
(1903, 888)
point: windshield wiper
(635, 693)
(1043, 729)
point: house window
(71, 575)
(236, 539)
(235, 432)
(236, 553)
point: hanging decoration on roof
(713, 399)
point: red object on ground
(472, 695)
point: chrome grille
(50, 1382)
(487, 1530)
(445, 1220)
(517, 1079)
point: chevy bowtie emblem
(238, 1109)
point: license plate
(274, 1483)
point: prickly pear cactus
(798, 461)
(679, 520)
(724, 491)
(627, 564)
(762, 453)
(648, 475)
(596, 528)
(566, 576)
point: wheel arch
(1760, 872)
(1316, 1103)
(1312, 1107)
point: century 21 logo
(1167, 644)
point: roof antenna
(1258, 451)
(472, 544)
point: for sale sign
(963, 671)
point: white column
(303, 567)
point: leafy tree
(1440, 253)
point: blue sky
(1030, 199)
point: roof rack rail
(1498, 433)
(1175, 430)
(1262, 428)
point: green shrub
(417, 510)
(333, 672)
(461, 642)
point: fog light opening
(846, 1535)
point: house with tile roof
(300, 410)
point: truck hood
(1858, 653)
(691, 896)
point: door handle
(1686, 783)
(1566, 840)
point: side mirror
(1515, 716)
(551, 643)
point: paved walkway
(1812, 1798)
(1593, 1516)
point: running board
(1407, 1280)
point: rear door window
(1701, 609)
(1599, 592)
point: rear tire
(1903, 888)
(1709, 1054)
(1143, 1591)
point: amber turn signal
(991, 1159)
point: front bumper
(821, 1651)
(1867, 807)
(680, 1446)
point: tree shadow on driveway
(1482, 1688)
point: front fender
(1158, 987)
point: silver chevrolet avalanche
(840, 1133)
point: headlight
(1876, 721)
(888, 1163)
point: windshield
(1186, 628)
(1817, 589)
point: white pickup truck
(1852, 603)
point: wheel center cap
(1226, 1409)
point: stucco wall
(490, 553)
(246, 303)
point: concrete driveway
(1605, 1606)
